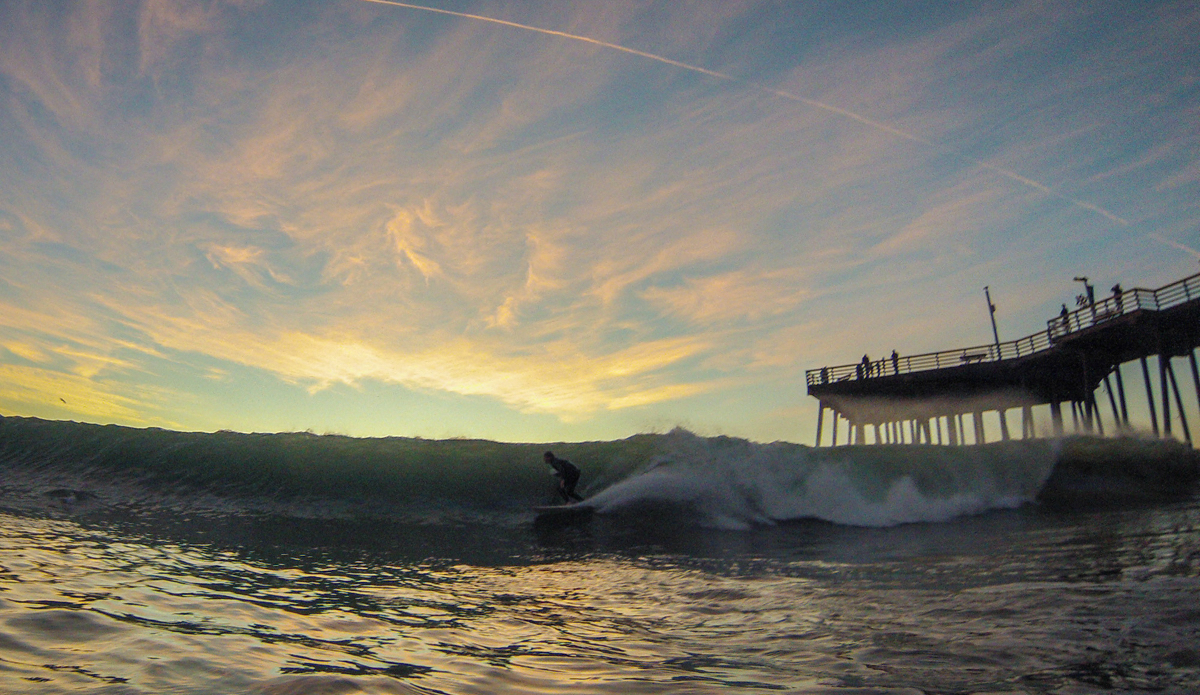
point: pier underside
(1067, 363)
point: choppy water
(136, 561)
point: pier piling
(904, 399)
(1150, 396)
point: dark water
(154, 562)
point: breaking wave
(710, 482)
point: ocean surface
(151, 561)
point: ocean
(152, 561)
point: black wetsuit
(569, 473)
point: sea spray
(733, 484)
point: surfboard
(564, 512)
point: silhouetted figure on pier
(1117, 292)
(864, 368)
(1066, 318)
(895, 363)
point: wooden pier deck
(904, 397)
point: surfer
(567, 474)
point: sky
(563, 221)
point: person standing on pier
(1117, 292)
(895, 363)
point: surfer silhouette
(568, 476)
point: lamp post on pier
(1088, 298)
(992, 311)
(999, 411)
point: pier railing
(1165, 297)
(1127, 302)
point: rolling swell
(296, 473)
(715, 482)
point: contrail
(1011, 175)
(675, 63)
(1175, 244)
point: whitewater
(153, 561)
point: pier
(928, 398)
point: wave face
(717, 482)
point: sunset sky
(544, 221)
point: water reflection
(1044, 599)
